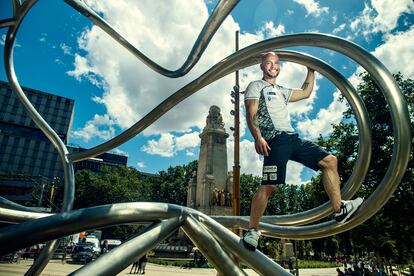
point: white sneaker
(348, 207)
(251, 239)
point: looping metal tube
(43, 227)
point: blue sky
(61, 52)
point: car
(9, 258)
(32, 251)
(83, 253)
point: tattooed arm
(306, 89)
(260, 143)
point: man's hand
(261, 146)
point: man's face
(270, 66)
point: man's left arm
(306, 89)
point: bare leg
(330, 179)
(259, 203)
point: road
(56, 268)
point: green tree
(171, 186)
(248, 187)
(110, 185)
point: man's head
(270, 65)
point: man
(269, 122)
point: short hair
(268, 54)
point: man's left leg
(331, 182)
(314, 157)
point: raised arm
(306, 89)
(260, 143)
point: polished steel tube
(5, 203)
(255, 259)
(7, 22)
(8, 215)
(121, 257)
(43, 259)
(210, 248)
(63, 224)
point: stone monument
(209, 191)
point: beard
(271, 75)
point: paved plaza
(56, 268)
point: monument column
(212, 186)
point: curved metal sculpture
(215, 241)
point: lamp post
(235, 94)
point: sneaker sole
(352, 212)
(248, 245)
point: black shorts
(285, 147)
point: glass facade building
(94, 164)
(25, 152)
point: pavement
(56, 268)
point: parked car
(32, 251)
(9, 258)
(83, 253)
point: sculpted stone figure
(214, 118)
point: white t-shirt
(272, 114)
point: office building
(27, 157)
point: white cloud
(397, 53)
(131, 89)
(312, 7)
(189, 140)
(58, 61)
(293, 75)
(168, 145)
(270, 30)
(250, 161)
(293, 172)
(67, 50)
(339, 28)
(189, 153)
(119, 152)
(99, 126)
(379, 17)
(141, 165)
(163, 147)
(322, 124)
(82, 69)
(129, 83)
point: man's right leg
(259, 203)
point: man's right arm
(260, 143)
